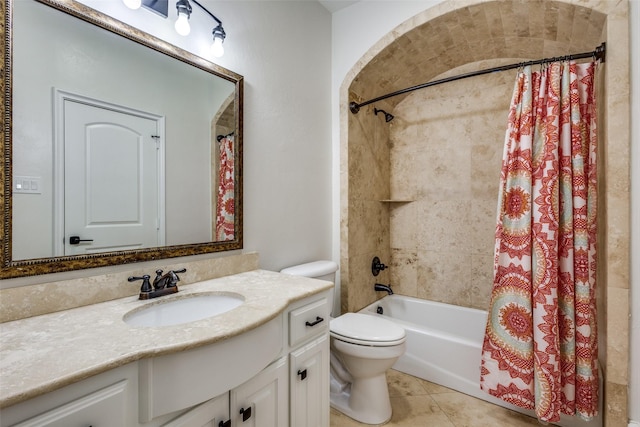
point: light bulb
(182, 24)
(217, 49)
(132, 4)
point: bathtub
(444, 345)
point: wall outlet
(27, 184)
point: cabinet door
(101, 408)
(309, 384)
(263, 400)
(212, 413)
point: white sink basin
(183, 310)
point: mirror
(118, 147)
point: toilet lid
(364, 327)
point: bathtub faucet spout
(383, 288)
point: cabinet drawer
(308, 321)
(101, 408)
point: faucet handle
(157, 282)
(146, 286)
(174, 279)
(377, 266)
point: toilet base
(370, 403)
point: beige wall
(367, 226)
(444, 153)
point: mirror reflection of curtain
(225, 206)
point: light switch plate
(27, 184)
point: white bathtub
(444, 345)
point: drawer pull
(318, 320)
(303, 375)
(225, 423)
(246, 413)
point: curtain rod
(597, 54)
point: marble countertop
(43, 353)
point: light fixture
(133, 4)
(217, 49)
(219, 34)
(182, 26)
(184, 12)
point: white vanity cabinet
(107, 399)
(275, 375)
(309, 384)
(259, 402)
(263, 400)
(292, 391)
(212, 413)
(309, 363)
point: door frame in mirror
(10, 268)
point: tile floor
(419, 403)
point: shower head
(387, 116)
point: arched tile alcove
(459, 36)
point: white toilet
(363, 347)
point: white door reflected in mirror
(112, 191)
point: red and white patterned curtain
(540, 347)
(225, 206)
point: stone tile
(338, 419)
(433, 388)
(481, 280)
(443, 226)
(401, 384)
(444, 277)
(478, 413)
(616, 407)
(403, 235)
(617, 334)
(404, 271)
(28, 301)
(416, 402)
(413, 411)
(483, 230)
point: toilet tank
(323, 270)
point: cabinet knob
(225, 423)
(246, 413)
(303, 374)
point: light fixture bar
(217, 49)
(209, 13)
(161, 7)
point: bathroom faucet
(168, 280)
(163, 284)
(377, 266)
(384, 288)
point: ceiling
(335, 5)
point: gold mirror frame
(30, 267)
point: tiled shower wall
(366, 220)
(446, 150)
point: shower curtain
(540, 346)
(225, 206)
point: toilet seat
(364, 329)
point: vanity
(263, 363)
(71, 353)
